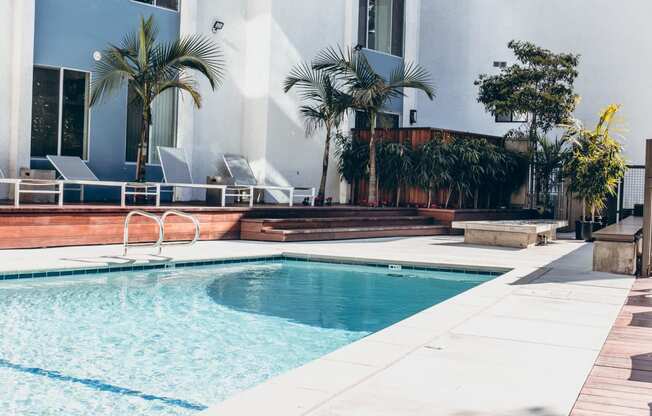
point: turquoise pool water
(172, 342)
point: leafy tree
(540, 86)
(595, 163)
(151, 68)
(396, 169)
(371, 92)
(352, 160)
(325, 107)
(431, 170)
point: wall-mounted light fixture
(217, 25)
(97, 55)
(413, 117)
(358, 47)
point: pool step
(342, 228)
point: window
(162, 132)
(60, 112)
(165, 4)
(384, 121)
(510, 117)
(381, 25)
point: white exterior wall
(250, 114)
(16, 60)
(461, 39)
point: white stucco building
(262, 39)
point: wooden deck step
(334, 222)
(345, 233)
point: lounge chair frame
(291, 190)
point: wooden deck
(621, 380)
(36, 226)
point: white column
(351, 12)
(411, 53)
(185, 109)
(17, 61)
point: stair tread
(334, 219)
(354, 229)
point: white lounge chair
(176, 174)
(19, 187)
(74, 171)
(242, 175)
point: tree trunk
(143, 144)
(448, 196)
(372, 198)
(476, 196)
(531, 147)
(353, 199)
(398, 195)
(460, 198)
(429, 197)
(324, 166)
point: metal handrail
(153, 217)
(190, 217)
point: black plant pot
(584, 230)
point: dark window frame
(62, 111)
(154, 3)
(397, 37)
(362, 121)
(510, 117)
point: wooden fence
(416, 136)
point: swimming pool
(174, 341)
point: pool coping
(177, 264)
(306, 388)
(338, 383)
(331, 384)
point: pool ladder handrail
(181, 214)
(160, 222)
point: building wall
(250, 114)
(67, 36)
(461, 39)
(16, 48)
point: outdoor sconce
(358, 47)
(413, 117)
(217, 25)
(97, 55)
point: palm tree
(465, 170)
(352, 160)
(549, 157)
(150, 68)
(326, 105)
(431, 167)
(397, 168)
(371, 92)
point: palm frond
(411, 75)
(110, 74)
(194, 52)
(184, 84)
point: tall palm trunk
(324, 164)
(143, 144)
(373, 180)
(398, 194)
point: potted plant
(596, 166)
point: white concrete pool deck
(502, 348)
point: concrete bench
(617, 246)
(511, 233)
